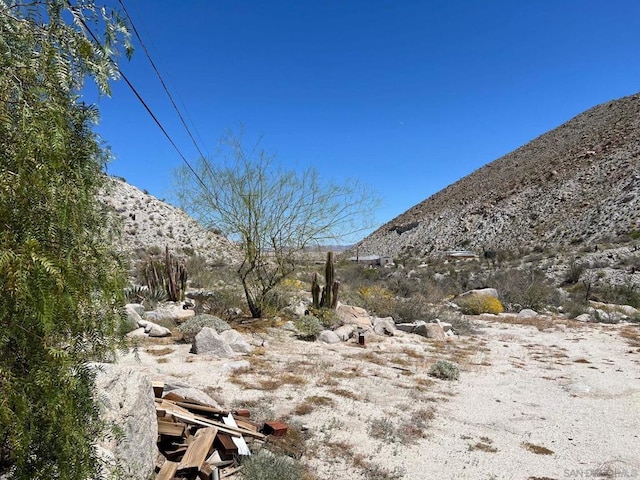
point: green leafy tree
(273, 213)
(59, 279)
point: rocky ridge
(578, 184)
(148, 223)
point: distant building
(461, 254)
(372, 260)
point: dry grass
(423, 384)
(342, 392)
(311, 403)
(159, 352)
(631, 334)
(537, 449)
(485, 445)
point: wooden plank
(247, 425)
(172, 429)
(226, 445)
(197, 451)
(168, 471)
(199, 407)
(206, 422)
(158, 387)
(206, 471)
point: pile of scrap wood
(202, 442)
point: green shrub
(444, 370)
(268, 466)
(328, 317)
(528, 288)
(309, 327)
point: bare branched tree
(273, 213)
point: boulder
(585, 317)
(171, 311)
(447, 327)
(357, 316)
(419, 327)
(327, 336)
(155, 330)
(481, 292)
(131, 318)
(126, 402)
(345, 332)
(527, 313)
(431, 330)
(384, 326)
(136, 307)
(350, 315)
(236, 341)
(210, 342)
(138, 332)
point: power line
(148, 109)
(167, 74)
(155, 69)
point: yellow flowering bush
(477, 304)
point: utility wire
(149, 111)
(164, 86)
(166, 73)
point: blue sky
(407, 95)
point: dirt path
(553, 404)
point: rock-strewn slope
(149, 222)
(577, 184)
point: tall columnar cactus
(170, 276)
(329, 297)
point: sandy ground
(545, 401)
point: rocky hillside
(149, 223)
(576, 185)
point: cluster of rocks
(608, 313)
(148, 323)
(356, 323)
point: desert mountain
(149, 223)
(576, 185)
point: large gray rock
(345, 332)
(236, 341)
(169, 312)
(384, 326)
(155, 330)
(350, 315)
(136, 307)
(327, 336)
(131, 318)
(428, 330)
(585, 317)
(527, 313)
(125, 398)
(480, 292)
(210, 342)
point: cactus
(170, 276)
(329, 296)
